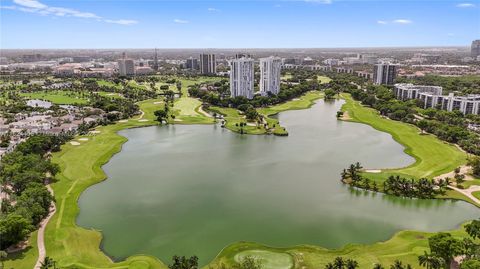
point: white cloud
(465, 5)
(402, 21)
(8, 7)
(382, 22)
(34, 6)
(319, 1)
(30, 3)
(212, 9)
(180, 21)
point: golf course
(75, 247)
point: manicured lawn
(405, 246)
(102, 82)
(58, 97)
(323, 79)
(110, 94)
(433, 156)
(476, 194)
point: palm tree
(430, 261)
(329, 266)
(339, 263)
(351, 264)
(378, 266)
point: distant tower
(384, 74)
(208, 64)
(155, 61)
(475, 48)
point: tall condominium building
(241, 77)
(155, 61)
(475, 49)
(208, 64)
(191, 63)
(126, 67)
(270, 75)
(384, 74)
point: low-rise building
(432, 97)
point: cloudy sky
(236, 24)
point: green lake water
(194, 189)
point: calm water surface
(194, 189)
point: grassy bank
(405, 246)
(233, 117)
(433, 157)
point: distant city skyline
(43, 24)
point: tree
(339, 263)
(470, 264)
(13, 228)
(430, 261)
(443, 245)
(473, 229)
(475, 163)
(351, 264)
(184, 263)
(161, 115)
(48, 263)
(422, 124)
(378, 266)
(248, 263)
(329, 94)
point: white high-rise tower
(270, 69)
(241, 77)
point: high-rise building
(270, 69)
(192, 64)
(475, 49)
(126, 67)
(384, 74)
(241, 77)
(155, 61)
(208, 64)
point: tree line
(23, 175)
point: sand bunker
(157, 103)
(373, 171)
(83, 139)
(123, 121)
(143, 120)
(74, 143)
(94, 132)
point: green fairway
(58, 97)
(476, 194)
(110, 94)
(433, 156)
(267, 259)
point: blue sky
(236, 24)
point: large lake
(194, 189)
